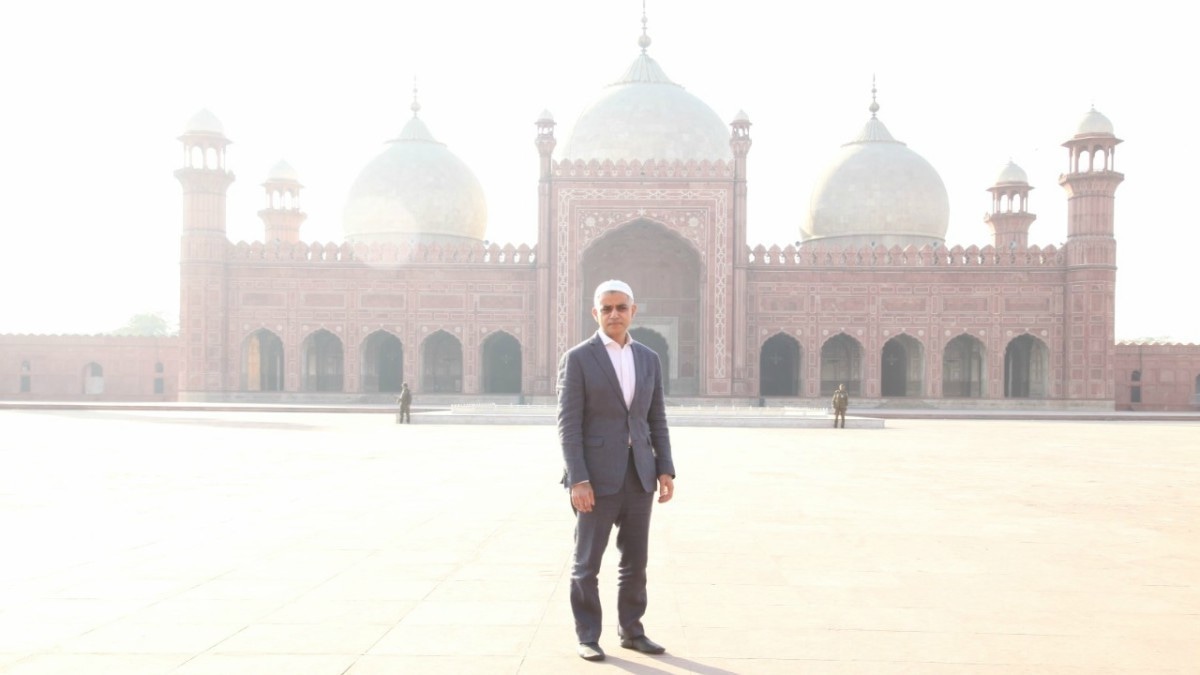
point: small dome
(545, 116)
(1011, 173)
(1094, 124)
(283, 171)
(204, 122)
(741, 116)
(878, 192)
(646, 116)
(416, 189)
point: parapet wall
(641, 170)
(1157, 376)
(475, 253)
(89, 367)
(910, 256)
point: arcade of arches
(902, 362)
(902, 367)
(382, 363)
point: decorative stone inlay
(706, 205)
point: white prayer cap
(610, 286)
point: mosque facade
(649, 186)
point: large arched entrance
(1026, 366)
(262, 362)
(382, 362)
(666, 276)
(501, 364)
(321, 362)
(659, 345)
(841, 363)
(902, 371)
(779, 366)
(962, 368)
(441, 364)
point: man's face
(614, 313)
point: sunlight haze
(96, 95)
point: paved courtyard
(226, 543)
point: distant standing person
(841, 401)
(405, 401)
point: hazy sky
(95, 95)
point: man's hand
(666, 488)
(582, 497)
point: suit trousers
(629, 510)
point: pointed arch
(262, 361)
(441, 364)
(501, 359)
(779, 366)
(902, 369)
(1026, 368)
(963, 368)
(841, 363)
(382, 359)
(666, 273)
(322, 362)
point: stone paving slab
(172, 541)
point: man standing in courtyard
(841, 401)
(405, 401)
(612, 426)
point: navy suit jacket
(595, 427)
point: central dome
(645, 116)
(415, 191)
(878, 192)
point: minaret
(739, 141)
(1091, 252)
(547, 243)
(282, 215)
(202, 282)
(1010, 217)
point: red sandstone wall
(1170, 376)
(54, 367)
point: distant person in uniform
(405, 401)
(841, 401)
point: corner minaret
(1091, 252)
(1010, 217)
(282, 215)
(203, 246)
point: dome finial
(416, 106)
(874, 108)
(644, 40)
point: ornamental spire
(874, 107)
(644, 40)
(416, 106)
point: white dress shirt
(622, 360)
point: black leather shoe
(642, 644)
(590, 651)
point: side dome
(1012, 174)
(282, 171)
(646, 116)
(415, 191)
(1094, 124)
(877, 192)
(204, 122)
